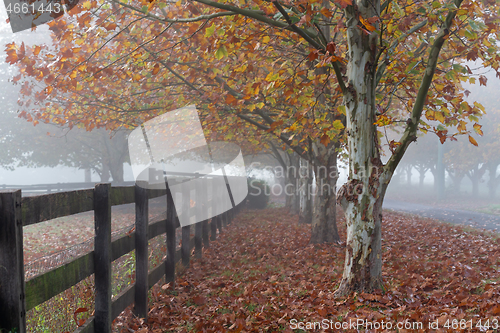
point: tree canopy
(301, 70)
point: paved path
(456, 216)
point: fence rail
(18, 296)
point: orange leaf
(231, 100)
(473, 141)
(156, 69)
(367, 24)
(326, 12)
(325, 139)
(37, 50)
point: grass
(493, 209)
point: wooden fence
(18, 296)
(57, 187)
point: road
(455, 216)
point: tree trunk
(291, 188)
(408, 173)
(116, 169)
(457, 180)
(88, 175)
(492, 179)
(422, 170)
(104, 173)
(361, 197)
(475, 183)
(324, 224)
(306, 178)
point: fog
(30, 156)
(45, 153)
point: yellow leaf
(266, 39)
(439, 116)
(478, 129)
(461, 126)
(241, 68)
(472, 140)
(79, 87)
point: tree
(230, 103)
(249, 62)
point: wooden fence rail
(18, 296)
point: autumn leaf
(325, 139)
(221, 52)
(36, 50)
(473, 141)
(79, 322)
(326, 12)
(477, 129)
(482, 80)
(156, 69)
(231, 100)
(344, 3)
(367, 24)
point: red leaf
(344, 3)
(313, 55)
(482, 80)
(331, 48)
(79, 322)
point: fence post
(171, 226)
(213, 228)
(186, 230)
(199, 226)
(102, 258)
(214, 203)
(141, 250)
(12, 298)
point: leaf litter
(261, 274)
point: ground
(262, 276)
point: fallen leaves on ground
(261, 275)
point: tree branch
(410, 132)
(167, 20)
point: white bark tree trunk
(362, 196)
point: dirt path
(455, 216)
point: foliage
(258, 193)
(273, 278)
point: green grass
(493, 209)
(56, 315)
